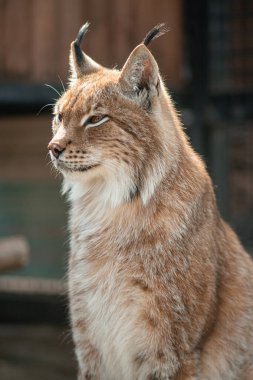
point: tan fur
(159, 285)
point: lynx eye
(94, 121)
(59, 117)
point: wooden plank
(2, 39)
(17, 38)
(98, 40)
(168, 49)
(120, 27)
(32, 285)
(72, 16)
(45, 31)
(23, 148)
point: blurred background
(207, 62)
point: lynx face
(105, 126)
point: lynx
(159, 285)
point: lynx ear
(81, 64)
(140, 74)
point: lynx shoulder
(159, 285)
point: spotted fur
(159, 285)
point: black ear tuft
(84, 29)
(80, 63)
(156, 32)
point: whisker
(46, 105)
(64, 89)
(49, 85)
(48, 158)
(54, 171)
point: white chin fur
(102, 187)
(111, 187)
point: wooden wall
(36, 34)
(23, 148)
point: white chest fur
(100, 299)
(105, 308)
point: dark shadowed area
(36, 352)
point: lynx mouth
(86, 168)
(74, 168)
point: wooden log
(14, 253)
(31, 285)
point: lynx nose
(56, 149)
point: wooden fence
(36, 34)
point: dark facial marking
(126, 128)
(154, 377)
(134, 193)
(75, 98)
(140, 359)
(88, 376)
(151, 321)
(141, 284)
(160, 355)
(126, 161)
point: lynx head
(112, 127)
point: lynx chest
(105, 312)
